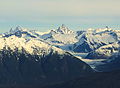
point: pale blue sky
(47, 14)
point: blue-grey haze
(43, 15)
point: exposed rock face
(64, 30)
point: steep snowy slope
(92, 39)
(26, 60)
(62, 36)
(117, 32)
(105, 52)
(30, 45)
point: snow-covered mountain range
(81, 41)
(92, 41)
(98, 43)
(33, 57)
(105, 51)
(27, 58)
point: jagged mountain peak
(18, 29)
(30, 40)
(28, 60)
(21, 32)
(64, 30)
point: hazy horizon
(43, 15)
(43, 28)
